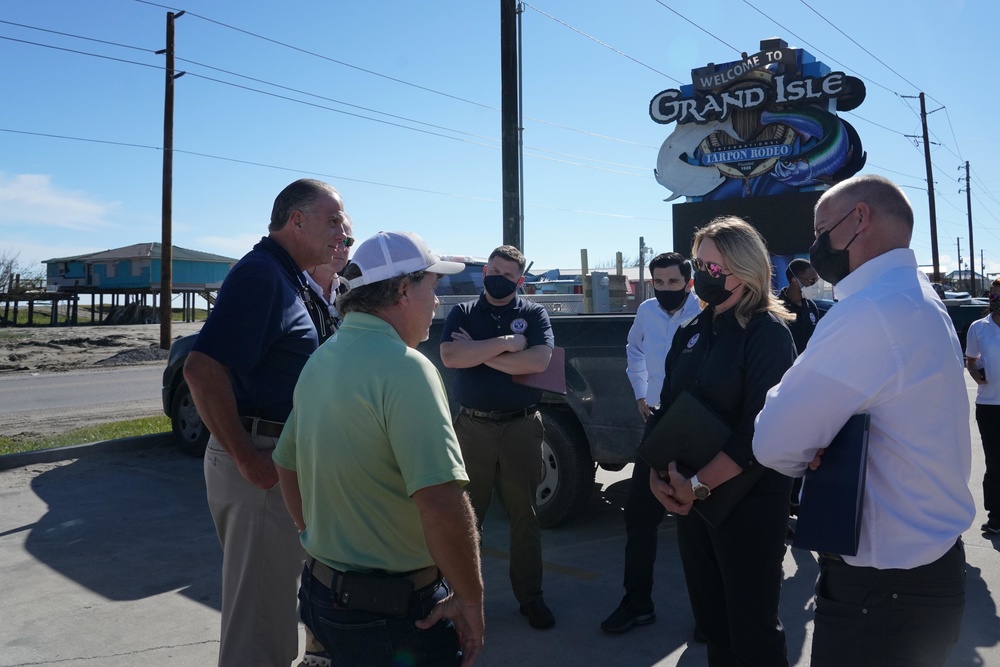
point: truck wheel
(190, 433)
(567, 470)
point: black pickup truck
(595, 423)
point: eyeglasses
(713, 269)
(348, 241)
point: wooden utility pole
(167, 241)
(509, 126)
(972, 248)
(932, 212)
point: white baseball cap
(390, 254)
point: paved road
(51, 402)
(111, 560)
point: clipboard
(691, 434)
(552, 379)
(833, 495)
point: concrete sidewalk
(111, 560)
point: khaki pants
(508, 455)
(261, 564)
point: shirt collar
(872, 271)
(486, 305)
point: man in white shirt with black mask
(887, 348)
(656, 322)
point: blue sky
(419, 150)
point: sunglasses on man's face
(348, 241)
(713, 269)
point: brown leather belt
(265, 428)
(501, 415)
(327, 576)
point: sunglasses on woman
(713, 269)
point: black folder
(833, 495)
(691, 434)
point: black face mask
(711, 290)
(499, 287)
(670, 300)
(831, 265)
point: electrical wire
(604, 44)
(710, 34)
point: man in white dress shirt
(656, 321)
(887, 348)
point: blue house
(136, 269)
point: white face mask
(813, 292)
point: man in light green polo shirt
(372, 475)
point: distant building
(960, 280)
(136, 268)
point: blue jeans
(363, 638)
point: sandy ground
(61, 348)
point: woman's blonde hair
(745, 254)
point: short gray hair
(297, 196)
(376, 296)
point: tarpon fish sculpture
(823, 145)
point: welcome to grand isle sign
(763, 125)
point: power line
(394, 79)
(246, 162)
(604, 44)
(713, 36)
(82, 53)
(66, 34)
(856, 43)
(327, 108)
(314, 173)
(813, 47)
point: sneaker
(624, 618)
(315, 659)
(539, 615)
(991, 528)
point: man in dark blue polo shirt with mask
(499, 427)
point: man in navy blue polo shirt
(499, 427)
(242, 371)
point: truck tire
(567, 470)
(190, 433)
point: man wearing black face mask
(499, 427)
(888, 349)
(656, 321)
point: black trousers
(888, 618)
(734, 575)
(643, 515)
(988, 420)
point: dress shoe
(624, 618)
(539, 615)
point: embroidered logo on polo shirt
(519, 326)
(693, 341)
(812, 318)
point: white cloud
(32, 199)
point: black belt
(265, 428)
(327, 576)
(501, 415)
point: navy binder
(833, 495)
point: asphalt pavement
(110, 559)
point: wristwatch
(700, 490)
